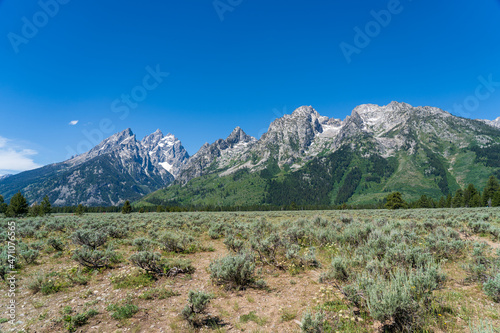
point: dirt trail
(494, 245)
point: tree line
(468, 197)
(18, 206)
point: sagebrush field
(297, 271)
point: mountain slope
(494, 123)
(310, 159)
(117, 169)
(219, 155)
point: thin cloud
(14, 159)
(73, 122)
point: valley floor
(317, 262)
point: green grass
(261, 321)
(131, 281)
(122, 312)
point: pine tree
(491, 187)
(35, 210)
(127, 208)
(458, 199)
(395, 201)
(495, 202)
(45, 206)
(80, 210)
(448, 201)
(469, 193)
(476, 201)
(3, 205)
(18, 206)
(425, 202)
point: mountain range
(304, 158)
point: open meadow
(425, 270)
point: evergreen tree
(442, 202)
(18, 206)
(80, 210)
(495, 202)
(395, 201)
(448, 200)
(476, 201)
(458, 199)
(469, 193)
(127, 208)
(3, 206)
(491, 187)
(35, 210)
(45, 206)
(425, 202)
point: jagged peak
(155, 134)
(238, 135)
(392, 106)
(127, 132)
(305, 111)
(119, 137)
(399, 104)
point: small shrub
(338, 270)
(149, 261)
(216, 230)
(123, 312)
(155, 265)
(234, 244)
(177, 242)
(29, 256)
(197, 304)
(313, 324)
(175, 267)
(143, 244)
(78, 320)
(233, 271)
(118, 232)
(404, 297)
(492, 288)
(92, 258)
(56, 244)
(90, 238)
(76, 277)
(44, 284)
(37, 245)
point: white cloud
(14, 159)
(73, 122)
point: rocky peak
(494, 123)
(237, 136)
(305, 112)
(153, 139)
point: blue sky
(229, 63)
